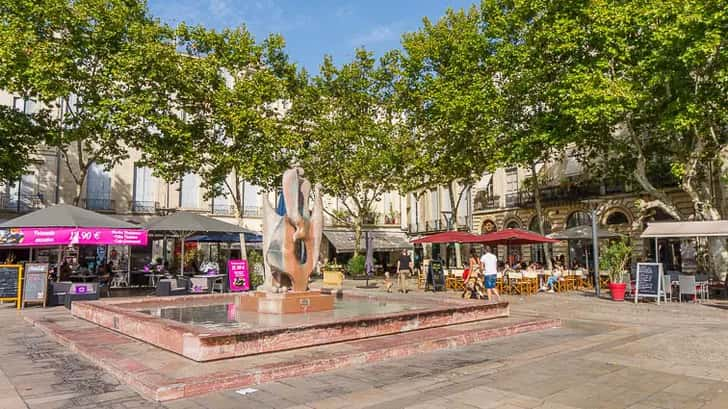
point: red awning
(514, 237)
(448, 237)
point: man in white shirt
(489, 265)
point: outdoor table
(211, 278)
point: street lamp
(594, 213)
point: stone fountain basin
(212, 326)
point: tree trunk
(358, 221)
(539, 214)
(79, 186)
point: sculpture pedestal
(287, 303)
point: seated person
(65, 271)
(553, 279)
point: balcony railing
(99, 204)
(253, 211)
(21, 203)
(144, 207)
(485, 201)
(223, 210)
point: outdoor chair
(81, 292)
(627, 279)
(688, 286)
(667, 288)
(581, 280)
(421, 278)
(531, 280)
(119, 280)
(603, 280)
(516, 284)
(57, 293)
(218, 285)
(173, 286)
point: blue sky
(312, 28)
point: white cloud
(377, 34)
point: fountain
(283, 313)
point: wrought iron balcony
(21, 203)
(99, 204)
(485, 201)
(144, 207)
(223, 209)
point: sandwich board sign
(648, 282)
(35, 283)
(11, 277)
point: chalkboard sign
(10, 277)
(648, 280)
(35, 283)
(436, 275)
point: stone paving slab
(162, 375)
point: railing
(253, 211)
(223, 210)
(21, 203)
(99, 204)
(145, 207)
(484, 201)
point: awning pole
(657, 252)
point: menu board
(648, 280)
(35, 283)
(10, 278)
(436, 275)
(238, 275)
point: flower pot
(617, 290)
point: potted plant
(615, 259)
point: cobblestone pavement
(608, 355)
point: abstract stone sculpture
(292, 235)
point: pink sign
(48, 236)
(238, 275)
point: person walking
(489, 266)
(404, 267)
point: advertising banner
(238, 275)
(48, 236)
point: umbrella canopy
(67, 216)
(449, 237)
(583, 233)
(191, 222)
(250, 237)
(513, 237)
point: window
(23, 194)
(578, 218)
(144, 189)
(189, 194)
(25, 105)
(98, 188)
(538, 251)
(617, 218)
(511, 180)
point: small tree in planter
(356, 265)
(615, 258)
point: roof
(192, 222)
(716, 228)
(384, 240)
(66, 216)
(448, 237)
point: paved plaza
(605, 355)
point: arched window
(488, 226)
(538, 251)
(616, 218)
(513, 224)
(578, 218)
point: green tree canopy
(348, 121)
(101, 65)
